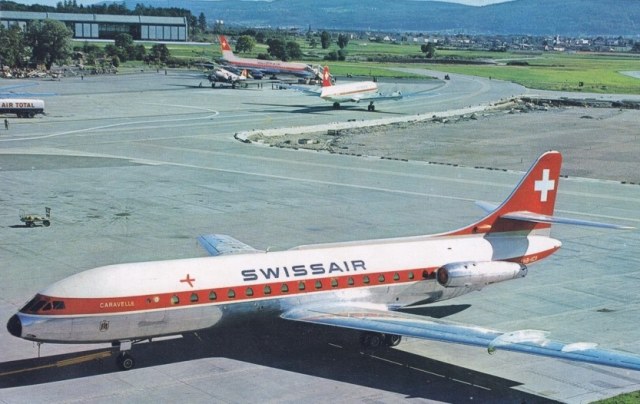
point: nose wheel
(126, 361)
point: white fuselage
(149, 299)
(348, 91)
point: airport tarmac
(135, 167)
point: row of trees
(49, 41)
(43, 42)
(287, 50)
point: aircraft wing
(377, 319)
(221, 244)
(377, 97)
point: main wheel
(46, 223)
(392, 339)
(126, 361)
(371, 340)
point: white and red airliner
(357, 285)
(271, 67)
(356, 91)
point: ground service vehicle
(22, 107)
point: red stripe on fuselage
(240, 293)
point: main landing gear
(371, 107)
(378, 340)
(124, 360)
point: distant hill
(527, 17)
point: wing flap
(222, 244)
(535, 342)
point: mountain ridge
(517, 17)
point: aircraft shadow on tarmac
(318, 351)
(317, 109)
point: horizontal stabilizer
(221, 244)
(379, 320)
(539, 218)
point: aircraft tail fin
(326, 77)
(227, 53)
(534, 196)
(531, 204)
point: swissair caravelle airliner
(272, 67)
(358, 285)
(358, 91)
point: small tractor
(30, 219)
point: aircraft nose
(14, 326)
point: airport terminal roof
(108, 18)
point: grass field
(579, 72)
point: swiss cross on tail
(545, 185)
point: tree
(13, 51)
(343, 40)
(159, 52)
(293, 50)
(50, 41)
(202, 22)
(277, 49)
(429, 50)
(325, 39)
(313, 43)
(125, 47)
(245, 44)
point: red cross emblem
(188, 280)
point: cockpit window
(39, 303)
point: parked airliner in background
(358, 91)
(224, 76)
(357, 285)
(269, 67)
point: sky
(177, 2)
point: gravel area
(601, 143)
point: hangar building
(107, 26)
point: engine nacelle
(478, 274)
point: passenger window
(194, 297)
(318, 284)
(231, 294)
(350, 281)
(381, 278)
(267, 290)
(365, 279)
(396, 276)
(175, 299)
(284, 288)
(301, 285)
(410, 275)
(249, 292)
(212, 295)
(334, 283)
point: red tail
(534, 195)
(326, 77)
(224, 44)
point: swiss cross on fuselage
(544, 185)
(188, 280)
